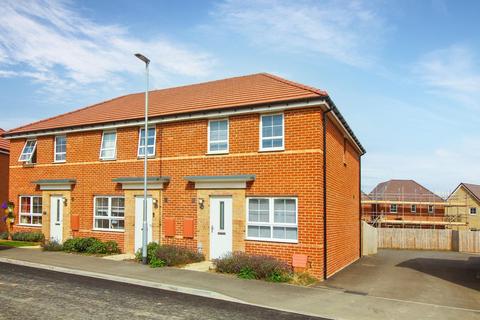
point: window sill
(29, 225)
(272, 150)
(60, 162)
(217, 153)
(272, 240)
(113, 159)
(109, 230)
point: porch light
(201, 202)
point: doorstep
(320, 302)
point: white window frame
(271, 223)
(30, 155)
(55, 153)
(109, 214)
(433, 208)
(413, 208)
(30, 214)
(146, 147)
(227, 141)
(391, 208)
(473, 209)
(275, 137)
(115, 147)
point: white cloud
(56, 46)
(343, 30)
(441, 169)
(452, 72)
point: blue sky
(406, 74)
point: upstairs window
(413, 209)
(271, 132)
(151, 138)
(473, 211)
(431, 209)
(30, 210)
(393, 208)
(218, 136)
(108, 149)
(28, 152)
(60, 149)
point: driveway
(431, 277)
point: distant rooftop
(403, 190)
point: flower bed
(83, 245)
(169, 255)
(248, 266)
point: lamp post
(145, 141)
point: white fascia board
(175, 118)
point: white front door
(220, 226)
(56, 218)
(139, 221)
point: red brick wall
(343, 206)
(182, 147)
(3, 186)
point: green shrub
(247, 273)
(91, 246)
(69, 245)
(52, 246)
(156, 263)
(3, 235)
(177, 256)
(254, 267)
(112, 247)
(83, 244)
(96, 247)
(151, 252)
(28, 236)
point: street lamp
(145, 176)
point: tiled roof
(403, 190)
(4, 144)
(228, 93)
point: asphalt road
(28, 293)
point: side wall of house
(343, 201)
(4, 164)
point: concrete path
(318, 301)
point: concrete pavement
(318, 301)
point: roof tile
(227, 93)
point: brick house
(4, 164)
(403, 203)
(255, 163)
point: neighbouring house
(404, 204)
(254, 163)
(4, 164)
(463, 206)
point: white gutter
(192, 116)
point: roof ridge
(70, 112)
(296, 84)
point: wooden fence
(369, 239)
(429, 239)
(425, 239)
(469, 241)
